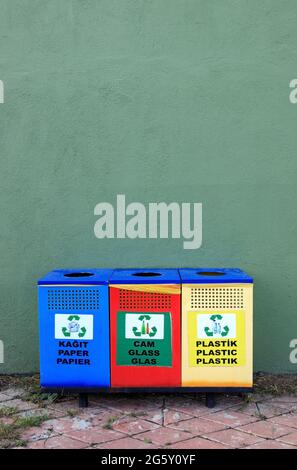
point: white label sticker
(216, 325)
(144, 326)
(73, 326)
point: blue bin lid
(77, 276)
(213, 275)
(145, 276)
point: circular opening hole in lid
(77, 274)
(210, 273)
(146, 274)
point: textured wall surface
(161, 100)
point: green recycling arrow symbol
(144, 317)
(226, 331)
(65, 331)
(135, 331)
(73, 317)
(82, 332)
(207, 331)
(217, 316)
(153, 331)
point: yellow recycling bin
(217, 329)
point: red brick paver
(198, 443)
(269, 409)
(19, 404)
(133, 405)
(155, 415)
(37, 433)
(66, 425)
(250, 409)
(286, 420)
(172, 416)
(289, 438)
(198, 426)
(270, 444)
(126, 443)
(153, 421)
(266, 429)
(230, 418)
(134, 427)
(95, 435)
(58, 442)
(164, 436)
(234, 438)
(186, 405)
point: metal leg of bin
(83, 400)
(210, 400)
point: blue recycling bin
(74, 328)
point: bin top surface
(145, 276)
(77, 276)
(214, 275)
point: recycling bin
(217, 328)
(145, 328)
(74, 328)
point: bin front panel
(74, 336)
(217, 340)
(145, 335)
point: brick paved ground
(151, 422)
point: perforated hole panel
(73, 299)
(217, 297)
(139, 300)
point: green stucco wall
(161, 100)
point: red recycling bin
(145, 328)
